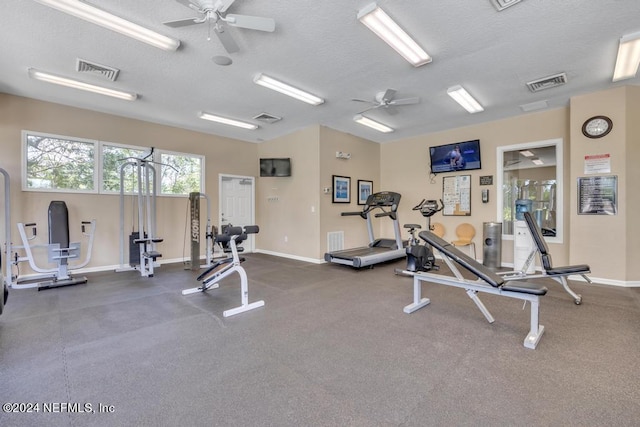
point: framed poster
(341, 189)
(598, 195)
(365, 189)
(456, 195)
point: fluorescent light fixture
(628, 57)
(286, 89)
(462, 97)
(226, 121)
(104, 19)
(359, 118)
(527, 153)
(537, 162)
(385, 28)
(63, 81)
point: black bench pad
(524, 287)
(569, 269)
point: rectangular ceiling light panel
(104, 19)
(64, 81)
(226, 121)
(385, 28)
(359, 118)
(462, 97)
(628, 57)
(278, 86)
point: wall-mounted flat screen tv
(275, 167)
(458, 156)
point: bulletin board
(456, 195)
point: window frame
(558, 143)
(24, 160)
(101, 172)
(157, 158)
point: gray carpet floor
(331, 347)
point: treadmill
(379, 250)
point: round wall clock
(597, 127)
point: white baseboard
(289, 256)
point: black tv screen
(458, 156)
(275, 167)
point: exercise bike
(420, 257)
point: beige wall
(288, 208)
(223, 155)
(608, 242)
(405, 168)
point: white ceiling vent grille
(109, 73)
(267, 118)
(547, 82)
(503, 4)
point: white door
(236, 204)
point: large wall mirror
(529, 178)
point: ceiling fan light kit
(104, 19)
(365, 121)
(388, 30)
(278, 86)
(227, 121)
(64, 81)
(628, 57)
(462, 97)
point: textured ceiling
(320, 46)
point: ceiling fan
(212, 12)
(386, 101)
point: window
(113, 157)
(61, 163)
(180, 173)
(529, 177)
(58, 163)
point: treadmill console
(383, 199)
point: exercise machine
(60, 250)
(559, 274)
(379, 250)
(420, 257)
(195, 228)
(143, 241)
(487, 282)
(225, 267)
(4, 284)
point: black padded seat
(568, 270)
(524, 287)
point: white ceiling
(320, 46)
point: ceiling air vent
(503, 4)
(547, 82)
(109, 73)
(267, 118)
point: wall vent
(109, 73)
(533, 106)
(335, 241)
(547, 82)
(503, 4)
(267, 118)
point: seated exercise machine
(60, 250)
(420, 257)
(379, 250)
(487, 281)
(225, 267)
(559, 274)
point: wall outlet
(286, 239)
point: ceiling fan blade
(405, 101)
(186, 3)
(251, 22)
(363, 100)
(223, 5)
(183, 22)
(227, 41)
(388, 95)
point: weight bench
(559, 274)
(487, 281)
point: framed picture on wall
(365, 188)
(341, 189)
